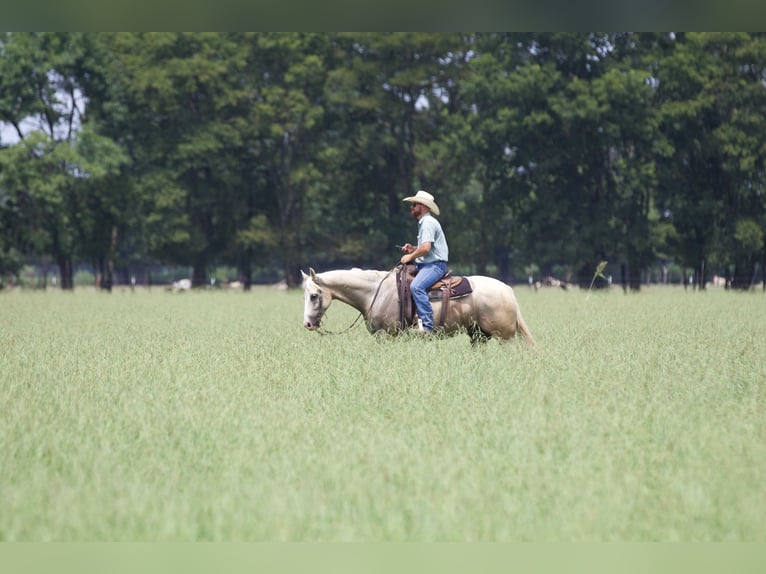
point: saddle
(445, 289)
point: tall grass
(215, 416)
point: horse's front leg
(387, 322)
(380, 325)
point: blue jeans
(428, 274)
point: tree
(553, 151)
(184, 98)
(712, 97)
(287, 116)
(561, 134)
(389, 96)
(46, 174)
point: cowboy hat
(424, 198)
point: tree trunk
(65, 270)
(701, 278)
(763, 268)
(754, 267)
(64, 262)
(293, 276)
(199, 272)
(634, 277)
(109, 279)
(43, 280)
(738, 279)
(503, 264)
(624, 277)
(246, 269)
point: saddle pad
(460, 290)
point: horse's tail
(521, 326)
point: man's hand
(408, 256)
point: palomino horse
(491, 310)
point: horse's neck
(356, 287)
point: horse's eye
(314, 296)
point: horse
(490, 310)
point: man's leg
(427, 276)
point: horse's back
(490, 286)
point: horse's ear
(304, 276)
(313, 273)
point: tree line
(547, 152)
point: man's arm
(420, 251)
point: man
(430, 255)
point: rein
(374, 298)
(322, 331)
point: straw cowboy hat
(424, 198)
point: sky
(7, 134)
(63, 106)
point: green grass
(215, 416)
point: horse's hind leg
(477, 335)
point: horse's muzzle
(310, 326)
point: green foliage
(258, 234)
(712, 98)
(274, 149)
(749, 236)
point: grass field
(215, 416)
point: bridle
(322, 331)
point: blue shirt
(430, 231)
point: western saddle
(445, 289)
